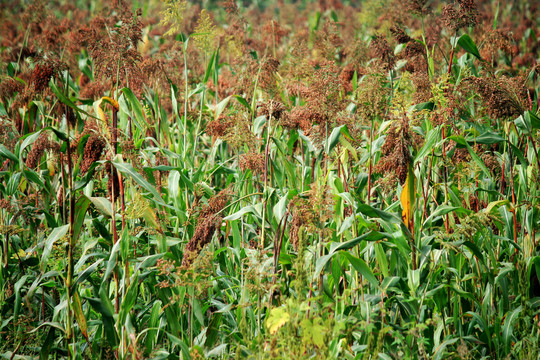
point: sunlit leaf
(408, 196)
(277, 318)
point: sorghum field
(269, 179)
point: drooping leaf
(432, 138)
(333, 139)
(47, 344)
(80, 213)
(129, 300)
(128, 170)
(362, 268)
(54, 236)
(66, 100)
(212, 331)
(103, 205)
(136, 108)
(377, 213)
(461, 141)
(468, 45)
(408, 197)
(508, 327)
(79, 315)
(104, 307)
(8, 154)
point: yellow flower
(21, 254)
(173, 15)
(205, 32)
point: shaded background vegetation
(271, 179)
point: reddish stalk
(446, 226)
(425, 190)
(450, 61)
(370, 168)
(513, 192)
(114, 140)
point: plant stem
(70, 335)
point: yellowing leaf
(278, 317)
(408, 195)
(313, 332)
(111, 101)
(50, 167)
(151, 219)
(101, 113)
(21, 253)
(101, 116)
(79, 315)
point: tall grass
(292, 180)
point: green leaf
(439, 351)
(67, 101)
(128, 170)
(80, 213)
(34, 177)
(85, 274)
(441, 211)
(104, 307)
(237, 215)
(424, 106)
(333, 139)
(496, 16)
(176, 341)
(281, 206)
(136, 108)
(381, 259)
(209, 67)
(113, 258)
(362, 268)
(11, 69)
(59, 134)
(432, 138)
(52, 324)
(372, 212)
(532, 119)
(153, 323)
(128, 300)
(468, 45)
(243, 101)
(370, 236)
(221, 106)
(487, 138)
(313, 332)
(54, 236)
(212, 331)
(28, 140)
(335, 247)
(103, 205)
(508, 327)
(197, 311)
(461, 141)
(475, 250)
(47, 344)
(8, 154)
(79, 315)
(519, 155)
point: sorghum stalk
(70, 335)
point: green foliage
(291, 184)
